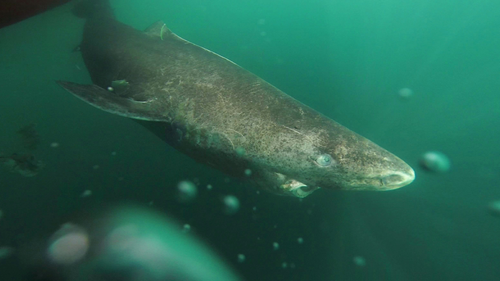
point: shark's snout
(398, 179)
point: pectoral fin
(111, 102)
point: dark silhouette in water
(24, 163)
(29, 137)
(12, 11)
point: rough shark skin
(222, 115)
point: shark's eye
(324, 160)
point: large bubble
(231, 204)
(187, 191)
(128, 243)
(405, 93)
(68, 245)
(435, 161)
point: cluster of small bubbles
(248, 172)
(86, 193)
(54, 145)
(359, 261)
(494, 208)
(113, 153)
(241, 258)
(435, 161)
(240, 151)
(231, 204)
(405, 93)
(276, 246)
(186, 228)
(187, 191)
(95, 167)
(284, 265)
(300, 240)
(209, 186)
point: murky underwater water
(413, 77)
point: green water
(346, 59)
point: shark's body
(222, 115)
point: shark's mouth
(296, 188)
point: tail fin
(93, 9)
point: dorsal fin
(160, 30)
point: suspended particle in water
(95, 167)
(359, 261)
(241, 258)
(113, 153)
(86, 193)
(240, 151)
(209, 187)
(300, 240)
(231, 204)
(1, 214)
(261, 22)
(263, 33)
(494, 208)
(186, 228)
(284, 265)
(68, 245)
(254, 208)
(54, 145)
(405, 93)
(292, 265)
(248, 172)
(435, 161)
(276, 246)
(6, 252)
(187, 191)
(110, 89)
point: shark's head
(334, 157)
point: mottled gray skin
(222, 115)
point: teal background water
(346, 59)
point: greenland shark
(220, 114)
